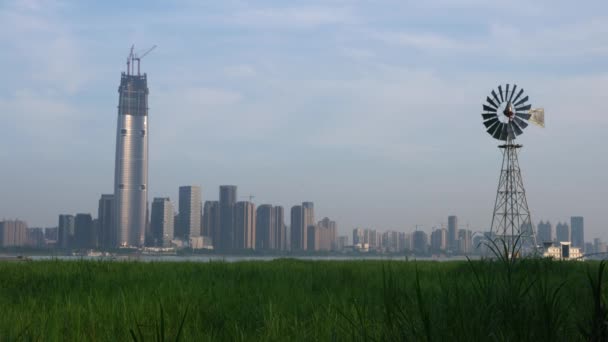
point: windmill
(506, 114)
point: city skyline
(337, 157)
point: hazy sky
(370, 109)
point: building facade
(13, 233)
(190, 212)
(244, 227)
(562, 232)
(211, 221)
(545, 232)
(453, 233)
(228, 196)
(131, 165)
(105, 221)
(577, 229)
(161, 222)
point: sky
(370, 109)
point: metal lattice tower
(506, 115)
(511, 221)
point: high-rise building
(358, 236)
(439, 240)
(280, 229)
(105, 218)
(298, 231)
(265, 227)
(327, 235)
(211, 221)
(13, 233)
(190, 212)
(545, 232)
(131, 167)
(420, 242)
(465, 241)
(228, 197)
(312, 238)
(51, 234)
(161, 222)
(65, 238)
(453, 233)
(35, 237)
(84, 231)
(244, 227)
(562, 232)
(577, 229)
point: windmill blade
(491, 102)
(521, 123)
(498, 131)
(516, 129)
(521, 101)
(525, 116)
(490, 122)
(513, 92)
(503, 131)
(500, 91)
(526, 107)
(507, 92)
(510, 131)
(487, 116)
(496, 97)
(492, 130)
(489, 109)
(521, 91)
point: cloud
(291, 17)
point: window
(123, 131)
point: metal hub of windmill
(506, 115)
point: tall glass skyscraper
(131, 168)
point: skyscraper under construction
(131, 168)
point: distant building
(211, 221)
(358, 236)
(564, 251)
(106, 221)
(65, 231)
(453, 233)
(599, 246)
(439, 240)
(312, 235)
(577, 229)
(342, 242)
(420, 242)
(84, 231)
(244, 227)
(51, 234)
(562, 232)
(280, 230)
(465, 241)
(131, 166)
(190, 208)
(265, 227)
(228, 196)
(13, 233)
(35, 237)
(545, 232)
(161, 222)
(327, 234)
(390, 241)
(405, 242)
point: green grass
(291, 300)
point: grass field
(291, 300)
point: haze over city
(368, 109)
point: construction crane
(250, 197)
(133, 57)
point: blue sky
(368, 108)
